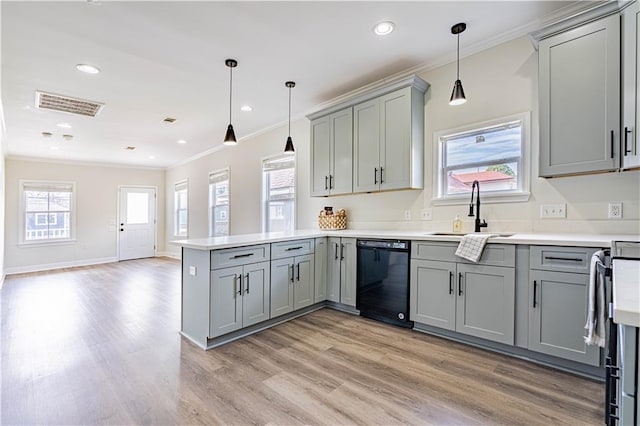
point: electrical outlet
(615, 210)
(553, 211)
(407, 215)
(193, 271)
(426, 214)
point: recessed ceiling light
(64, 125)
(54, 148)
(67, 137)
(47, 134)
(246, 108)
(130, 148)
(89, 69)
(182, 141)
(383, 28)
(152, 157)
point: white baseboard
(170, 254)
(59, 265)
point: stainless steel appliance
(383, 281)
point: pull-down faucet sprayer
(479, 225)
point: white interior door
(137, 231)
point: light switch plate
(193, 270)
(553, 211)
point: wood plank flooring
(100, 345)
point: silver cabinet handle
(246, 280)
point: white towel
(595, 325)
(472, 245)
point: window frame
(211, 202)
(22, 241)
(265, 190)
(176, 188)
(520, 194)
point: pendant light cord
(230, 90)
(458, 68)
(289, 111)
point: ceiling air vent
(61, 103)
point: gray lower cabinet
(320, 254)
(239, 297)
(580, 117)
(557, 315)
(292, 284)
(478, 300)
(341, 271)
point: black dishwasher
(383, 281)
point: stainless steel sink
(453, 234)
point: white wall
(498, 82)
(96, 207)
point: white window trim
(226, 170)
(21, 213)
(263, 202)
(175, 210)
(520, 195)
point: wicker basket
(333, 222)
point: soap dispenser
(457, 225)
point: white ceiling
(162, 59)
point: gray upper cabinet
(579, 94)
(557, 314)
(630, 96)
(331, 154)
(388, 142)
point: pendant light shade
(230, 136)
(289, 146)
(457, 95)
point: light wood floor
(100, 345)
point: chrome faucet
(479, 225)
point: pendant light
(457, 95)
(230, 136)
(289, 146)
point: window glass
(46, 211)
(181, 212)
(137, 208)
(279, 194)
(219, 203)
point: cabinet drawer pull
(535, 292)
(294, 248)
(375, 176)
(459, 283)
(568, 259)
(298, 276)
(238, 256)
(612, 143)
(246, 280)
(626, 141)
(293, 276)
(450, 282)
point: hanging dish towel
(595, 325)
(472, 245)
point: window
(279, 189)
(181, 209)
(492, 153)
(219, 203)
(47, 211)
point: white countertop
(577, 240)
(626, 292)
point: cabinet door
(630, 96)
(348, 271)
(257, 290)
(579, 83)
(281, 286)
(486, 302)
(433, 293)
(320, 285)
(333, 269)
(303, 291)
(395, 140)
(556, 323)
(226, 301)
(341, 167)
(366, 146)
(320, 156)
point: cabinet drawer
(493, 254)
(564, 259)
(291, 248)
(239, 256)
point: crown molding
(80, 163)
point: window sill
(46, 243)
(519, 197)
